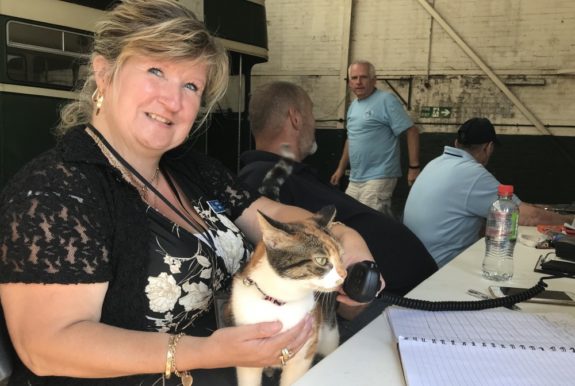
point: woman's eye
(191, 86)
(320, 260)
(155, 71)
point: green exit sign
(435, 112)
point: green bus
(44, 50)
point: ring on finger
(285, 356)
(288, 353)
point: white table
(370, 357)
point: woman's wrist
(171, 367)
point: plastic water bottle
(500, 236)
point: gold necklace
(155, 183)
(126, 174)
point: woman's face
(151, 104)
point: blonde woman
(115, 241)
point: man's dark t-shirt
(402, 258)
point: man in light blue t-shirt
(374, 122)
(448, 204)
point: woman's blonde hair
(158, 28)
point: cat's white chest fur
(250, 305)
(264, 296)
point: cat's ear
(325, 216)
(274, 233)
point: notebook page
(429, 364)
(499, 327)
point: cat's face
(305, 251)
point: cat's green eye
(320, 260)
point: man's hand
(336, 177)
(412, 175)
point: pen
(483, 296)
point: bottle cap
(505, 190)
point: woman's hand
(255, 345)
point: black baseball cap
(476, 131)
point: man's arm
(413, 153)
(532, 215)
(343, 162)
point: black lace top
(69, 217)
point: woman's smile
(160, 119)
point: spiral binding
(488, 344)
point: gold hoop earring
(98, 99)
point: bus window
(77, 43)
(45, 56)
(25, 34)
(16, 66)
(42, 38)
(55, 70)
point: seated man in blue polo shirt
(282, 113)
(450, 200)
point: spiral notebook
(491, 347)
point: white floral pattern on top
(229, 244)
(163, 292)
(187, 272)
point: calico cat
(289, 267)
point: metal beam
(347, 14)
(467, 49)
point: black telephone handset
(362, 283)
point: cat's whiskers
(317, 298)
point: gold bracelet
(171, 354)
(185, 376)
